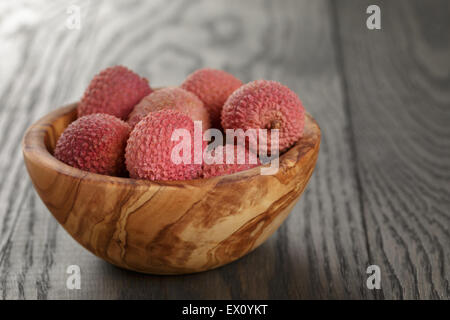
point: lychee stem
(275, 124)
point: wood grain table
(380, 194)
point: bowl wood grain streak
(167, 227)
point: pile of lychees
(124, 127)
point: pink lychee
(267, 105)
(212, 87)
(94, 143)
(149, 149)
(115, 90)
(171, 98)
(243, 160)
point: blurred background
(380, 194)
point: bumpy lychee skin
(239, 163)
(267, 105)
(171, 98)
(213, 87)
(149, 148)
(115, 90)
(95, 143)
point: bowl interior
(59, 124)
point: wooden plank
(397, 91)
(320, 252)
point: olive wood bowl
(166, 227)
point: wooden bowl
(166, 227)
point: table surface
(380, 194)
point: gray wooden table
(380, 194)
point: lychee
(243, 160)
(212, 87)
(149, 149)
(171, 98)
(94, 143)
(267, 105)
(115, 90)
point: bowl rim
(35, 149)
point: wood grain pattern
(368, 202)
(166, 227)
(399, 100)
